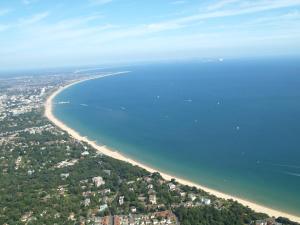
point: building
(182, 194)
(121, 200)
(87, 202)
(30, 172)
(159, 218)
(64, 175)
(269, 221)
(192, 196)
(85, 153)
(117, 220)
(105, 191)
(103, 220)
(133, 209)
(103, 207)
(172, 186)
(152, 199)
(205, 201)
(108, 172)
(148, 179)
(98, 181)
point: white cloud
(220, 4)
(34, 19)
(79, 30)
(239, 8)
(290, 17)
(100, 2)
(157, 27)
(73, 22)
(179, 2)
(4, 27)
(4, 11)
(28, 2)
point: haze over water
(233, 126)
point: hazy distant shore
(117, 155)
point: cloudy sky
(48, 33)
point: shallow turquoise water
(232, 126)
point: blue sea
(233, 126)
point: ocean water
(233, 126)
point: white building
(103, 207)
(121, 200)
(152, 199)
(85, 153)
(133, 209)
(182, 194)
(172, 186)
(192, 196)
(98, 181)
(206, 201)
(87, 202)
(64, 175)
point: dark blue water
(232, 126)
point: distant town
(47, 177)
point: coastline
(117, 155)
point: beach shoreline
(117, 155)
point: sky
(56, 33)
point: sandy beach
(117, 155)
